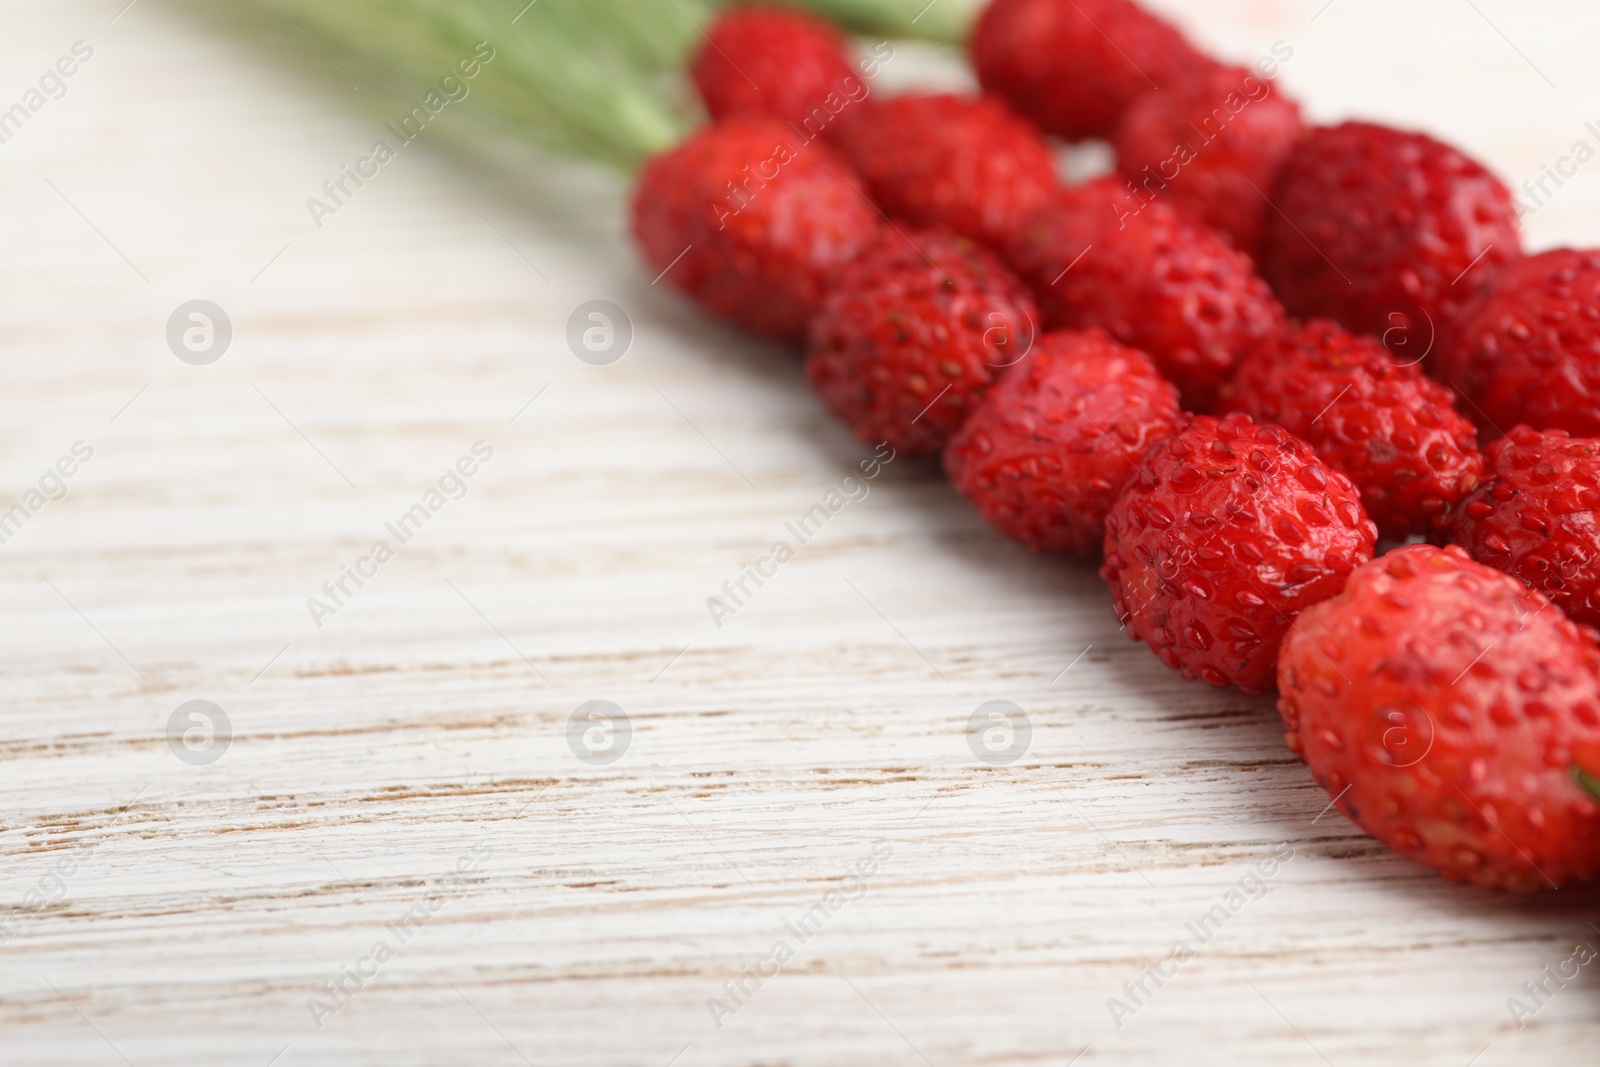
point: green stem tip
(603, 80)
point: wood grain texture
(412, 752)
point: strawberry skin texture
(912, 336)
(1072, 66)
(968, 164)
(1215, 144)
(1228, 532)
(1528, 350)
(1391, 429)
(762, 226)
(761, 60)
(1441, 702)
(1047, 451)
(1536, 517)
(1152, 277)
(1377, 224)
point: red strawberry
(1440, 703)
(1386, 232)
(968, 164)
(1073, 65)
(750, 225)
(1214, 144)
(1045, 454)
(1383, 423)
(1538, 517)
(1528, 350)
(1231, 531)
(1151, 277)
(761, 60)
(913, 334)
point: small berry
(1382, 422)
(967, 164)
(750, 225)
(765, 61)
(1215, 144)
(1441, 703)
(1047, 451)
(1385, 232)
(913, 334)
(1151, 277)
(1072, 66)
(1536, 517)
(1231, 530)
(1528, 350)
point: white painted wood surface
(189, 914)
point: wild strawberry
(751, 225)
(1385, 232)
(1538, 517)
(1382, 422)
(1046, 452)
(1073, 65)
(1440, 703)
(1151, 277)
(1528, 350)
(1231, 530)
(968, 164)
(1215, 145)
(765, 61)
(913, 334)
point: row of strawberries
(1105, 372)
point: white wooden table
(402, 774)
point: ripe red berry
(764, 61)
(1073, 65)
(1440, 701)
(1047, 451)
(1536, 517)
(913, 334)
(968, 164)
(1151, 277)
(1382, 422)
(1385, 232)
(1215, 144)
(751, 225)
(1231, 531)
(1528, 350)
